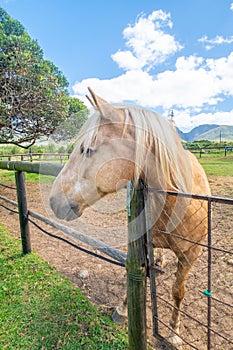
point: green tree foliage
(33, 92)
(76, 116)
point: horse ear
(106, 110)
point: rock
(83, 274)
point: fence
(226, 150)
(53, 170)
(61, 157)
(207, 309)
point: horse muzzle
(63, 209)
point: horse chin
(70, 216)
(73, 214)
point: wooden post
(136, 269)
(23, 211)
(151, 265)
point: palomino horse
(120, 143)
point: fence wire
(7, 186)
(196, 307)
(207, 309)
(58, 237)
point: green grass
(9, 176)
(39, 309)
(218, 165)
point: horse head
(102, 161)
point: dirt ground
(104, 283)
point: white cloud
(218, 40)
(148, 42)
(186, 120)
(194, 85)
(231, 6)
(128, 86)
(222, 69)
(127, 61)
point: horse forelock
(88, 133)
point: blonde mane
(154, 136)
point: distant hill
(209, 132)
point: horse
(119, 143)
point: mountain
(211, 132)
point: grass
(9, 176)
(218, 165)
(39, 309)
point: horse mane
(154, 136)
(157, 136)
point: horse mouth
(72, 214)
(66, 211)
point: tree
(33, 92)
(76, 116)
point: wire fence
(210, 150)
(58, 237)
(206, 321)
(120, 257)
(63, 157)
(32, 157)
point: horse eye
(89, 152)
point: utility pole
(171, 117)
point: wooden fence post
(151, 265)
(136, 265)
(23, 211)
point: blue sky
(159, 54)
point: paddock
(105, 284)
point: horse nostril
(52, 202)
(74, 206)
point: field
(215, 165)
(40, 309)
(105, 284)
